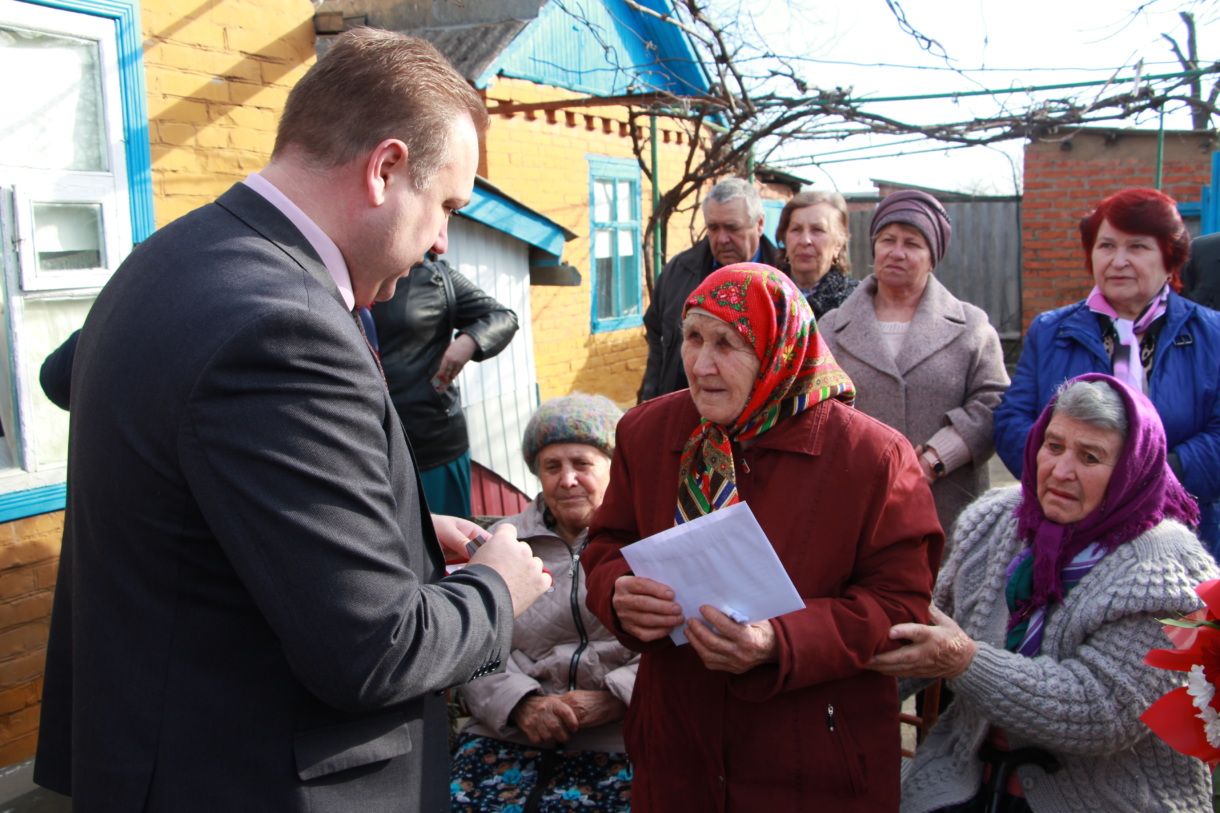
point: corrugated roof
(472, 48)
(603, 48)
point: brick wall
(1063, 182)
(29, 554)
(539, 159)
(215, 82)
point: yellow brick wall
(217, 75)
(216, 80)
(29, 554)
(539, 159)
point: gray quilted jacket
(557, 632)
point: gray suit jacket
(950, 371)
(250, 613)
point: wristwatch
(938, 466)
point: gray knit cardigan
(1082, 697)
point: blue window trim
(126, 15)
(22, 504)
(603, 167)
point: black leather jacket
(414, 329)
(663, 319)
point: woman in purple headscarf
(1047, 606)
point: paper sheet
(722, 559)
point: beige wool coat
(950, 371)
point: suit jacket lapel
(259, 214)
(939, 320)
(859, 334)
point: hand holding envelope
(720, 566)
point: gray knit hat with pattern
(575, 418)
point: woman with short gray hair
(1047, 606)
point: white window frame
(21, 188)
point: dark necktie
(360, 314)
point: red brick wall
(1065, 180)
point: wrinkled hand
(459, 351)
(645, 608)
(453, 534)
(738, 649)
(516, 563)
(594, 708)
(545, 719)
(940, 651)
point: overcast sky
(994, 44)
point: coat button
(1027, 783)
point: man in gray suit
(252, 612)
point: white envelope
(722, 559)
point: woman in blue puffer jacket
(1134, 326)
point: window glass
(47, 323)
(56, 122)
(68, 236)
(615, 229)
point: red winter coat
(842, 499)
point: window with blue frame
(75, 194)
(614, 234)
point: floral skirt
(494, 776)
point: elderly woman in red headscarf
(780, 714)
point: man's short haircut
(733, 188)
(372, 85)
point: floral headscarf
(796, 372)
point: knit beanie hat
(575, 418)
(918, 210)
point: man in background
(733, 219)
(251, 611)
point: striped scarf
(1027, 618)
(796, 372)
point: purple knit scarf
(1141, 493)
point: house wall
(1064, 181)
(539, 159)
(216, 79)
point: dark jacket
(818, 730)
(1201, 275)
(1184, 387)
(414, 329)
(56, 373)
(246, 615)
(663, 319)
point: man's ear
(386, 165)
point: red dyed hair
(1139, 210)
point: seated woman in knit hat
(1051, 599)
(550, 727)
